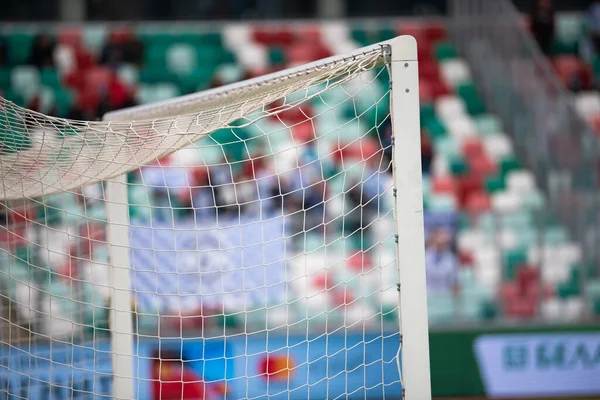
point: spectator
(441, 264)
(42, 52)
(112, 52)
(133, 51)
(542, 21)
(122, 47)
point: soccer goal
(260, 240)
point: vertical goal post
(274, 270)
(409, 218)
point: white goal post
(258, 236)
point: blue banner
(252, 366)
(236, 265)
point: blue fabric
(240, 264)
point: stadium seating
(511, 250)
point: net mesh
(261, 241)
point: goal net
(264, 239)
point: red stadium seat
(467, 185)
(301, 53)
(121, 34)
(425, 92)
(482, 165)
(322, 281)
(303, 132)
(98, 78)
(439, 88)
(415, 29)
(360, 261)
(263, 36)
(478, 202)
(568, 67)
(70, 36)
(435, 32)
(309, 34)
(527, 276)
(270, 36)
(429, 70)
(424, 51)
(473, 148)
(342, 295)
(444, 184)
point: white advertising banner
(540, 364)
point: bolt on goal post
(321, 258)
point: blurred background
(510, 117)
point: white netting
(263, 259)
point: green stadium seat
(427, 112)
(527, 237)
(232, 143)
(445, 51)
(49, 77)
(475, 106)
(199, 79)
(94, 37)
(276, 56)
(25, 80)
(555, 236)
(467, 90)
(211, 56)
(155, 54)
(165, 91)
(181, 59)
(487, 124)
(512, 259)
(4, 78)
(14, 135)
(489, 310)
(386, 34)
(562, 47)
(145, 94)
(533, 201)
(139, 204)
(442, 203)
(447, 146)
(509, 164)
(11, 95)
(156, 74)
(63, 100)
(436, 128)
(458, 166)
(517, 220)
(229, 73)
(495, 184)
(19, 46)
(473, 102)
(151, 35)
(362, 37)
(570, 28)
